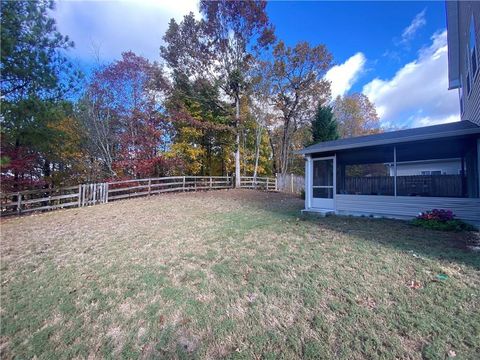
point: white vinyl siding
(407, 207)
(469, 30)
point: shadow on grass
(396, 234)
(400, 235)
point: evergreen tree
(324, 126)
(36, 76)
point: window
(468, 78)
(460, 94)
(472, 49)
(468, 84)
(432, 172)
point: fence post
(210, 182)
(183, 184)
(291, 181)
(106, 192)
(276, 181)
(19, 203)
(149, 186)
(79, 195)
(267, 184)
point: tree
(324, 126)
(298, 87)
(46, 150)
(99, 124)
(262, 112)
(33, 61)
(219, 48)
(36, 75)
(356, 116)
(122, 114)
(201, 132)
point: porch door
(323, 183)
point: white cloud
(343, 76)
(417, 94)
(426, 121)
(110, 28)
(417, 22)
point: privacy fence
(414, 185)
(99, 193)
(290, 183)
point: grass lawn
(234, 274)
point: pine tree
(324, 126)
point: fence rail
(99, 193)
(260, 183)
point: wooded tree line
(225, 97)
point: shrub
(439, 219)
(436, 214)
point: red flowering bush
(439, 219)
(437, 214)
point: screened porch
(433, 168)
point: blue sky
(394, 52)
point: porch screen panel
(441, 168)
(323, 179)
(367, 171)
(323, 173)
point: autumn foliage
(225, 97)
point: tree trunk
(258, 140)
(284, 148)
(237, 142)
(272, 145)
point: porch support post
(308, 185)
(395, 171)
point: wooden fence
(99, 193)
(290, 183)
(259, 183)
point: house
(427, 167)
(379, 174)
(463, 25)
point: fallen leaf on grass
(185, 321)
(451, 353)
(414, 284)
(246, 275)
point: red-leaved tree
(123, 114)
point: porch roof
(459, 128)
